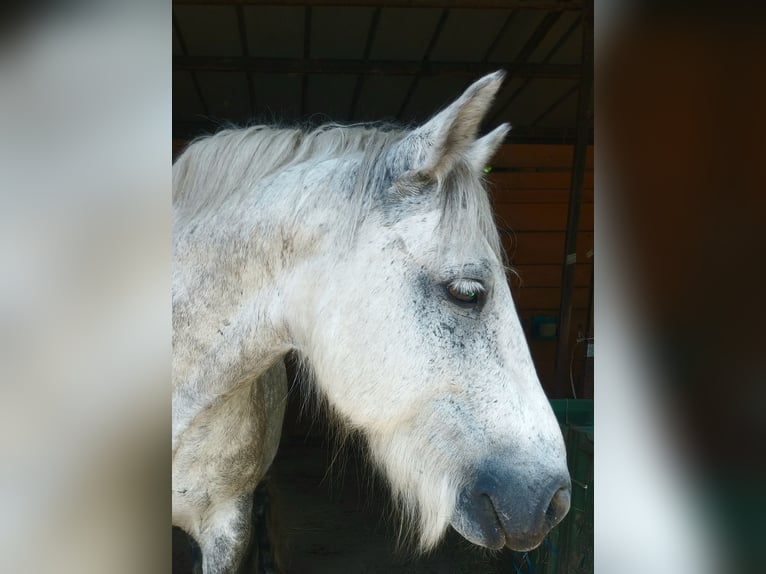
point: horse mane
(233, 161)
(214, 167)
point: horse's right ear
(435, 147)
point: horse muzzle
(511, 507)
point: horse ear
(485, 147)
(450, 134)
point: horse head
(413, 337)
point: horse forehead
(417, 229)
(419, 235)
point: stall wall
(529, 185)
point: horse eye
(464, 297)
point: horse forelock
(466, 211)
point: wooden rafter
(431, 45)
(448, 4)
(584, 120)
(371, 33)
(500, 33)
(526, 51)
(366, 68)
(560, 42)
(188, 128)
(555, 104)
(246, 51)
(185, 51)
(306, 56)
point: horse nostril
(558, 507)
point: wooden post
(564, 345)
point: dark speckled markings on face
(454, 328)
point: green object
(488, 169)
(575, 412)
(573, 538)
(544, 326)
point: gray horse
(372, 253)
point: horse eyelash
(467, 286)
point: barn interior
(246, 62)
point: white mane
(234, 162)
(213, 167)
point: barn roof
(317, 60)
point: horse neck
(234, 272)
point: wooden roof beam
(424, 62)
(187, 128)
(555, 104)
(529, 47)
(441, 4)
(371, 34)
(306, 56)
(185, 52)
(242, 27)
(369, 68)
(564, 37)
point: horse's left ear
(450, 135)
